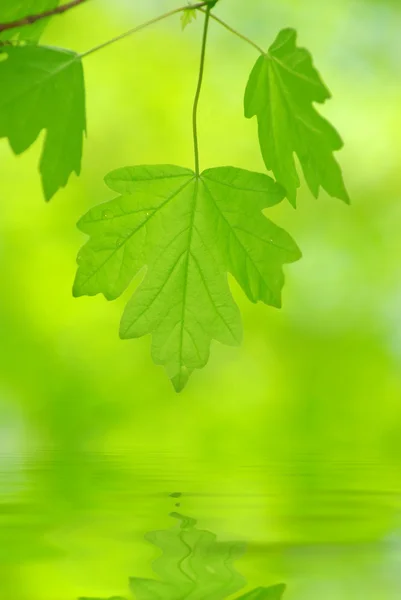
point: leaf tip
(187, 17)
(123, 331)
(47, 192)
(346, 198)
(280, 588)
(277, 302)
(285, 36)
(180, 380)
(297, 254)
(76, 292)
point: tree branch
(30, 19)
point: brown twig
(30, 19)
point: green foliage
(12, 10)
(187, 17)
(43, 88)
(194, 565)
(189, 231)
(281, 90)
(274, 592)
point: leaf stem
(198, 91)
(234, 31)
(133, 30)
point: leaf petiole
(201, 6)
(233, 31)
(133, 30)
(198, 91)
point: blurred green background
(290, 442)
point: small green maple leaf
(43, 88)
(188, 16)
(189, 231)
(281, 90)
(12, 10)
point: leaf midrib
(190, 236)
(296, 74)
(287, 102)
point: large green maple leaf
(189, 231)
(43, 88)
(281, 90)
(12, 10)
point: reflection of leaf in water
(194, 565)
(275, 592)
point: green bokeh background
(290, 442)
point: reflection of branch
(30, 19)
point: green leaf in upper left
(43, 88)
(12, 10)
